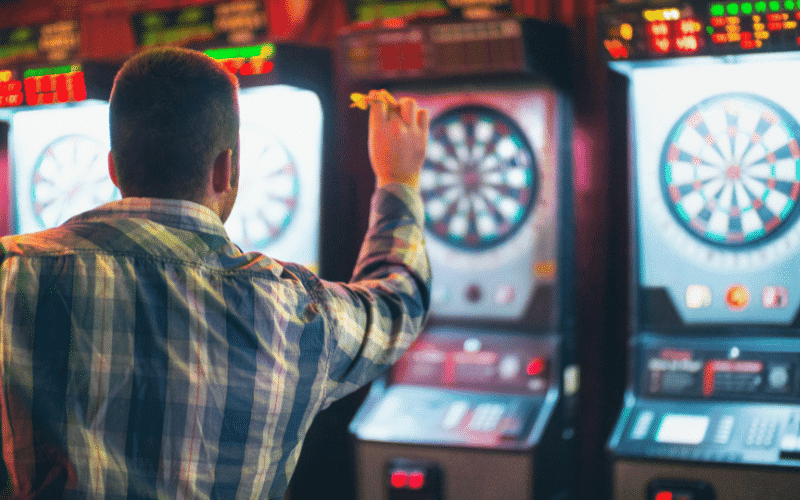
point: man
(144, 356)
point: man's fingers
(423, 119)
(408, 110)
(378, 110)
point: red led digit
(664, 495)
(31, 94)
(45, 84)
(399, 479)
(416, 480)
(78, 86)
(62, 94)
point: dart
(363, 101)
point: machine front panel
(490, 187)
(716, 162)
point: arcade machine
(712, 407)
(58, 130)
(482, 405)
(284, 130)
(10, 94)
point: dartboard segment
(731, 170)
(269, 188)
(479, 180)
(70, 176)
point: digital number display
(10, 90)
(725, 28)
(43, 86)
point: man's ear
(221, 172)
(112, 170)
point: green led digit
(761, 7)
(788, 5)
(747, 8)
(717, 10)
(733, 9)
(774, 6)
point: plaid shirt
(145, 356)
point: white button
(454, 414)
(509, 367)
(642, 425)
(505, 295)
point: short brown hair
(172, 111)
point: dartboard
(69, 177)
(731, 168)
(269, 188)
(479, 179)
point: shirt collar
(180, 214)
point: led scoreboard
(712, 408)
(699, 28)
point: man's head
(174, 119)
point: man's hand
(397, 141)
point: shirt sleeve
(371, 321)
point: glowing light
(717, 10)
(626, 31)
(747, 8)
(761, 6)
(732, 9)
(535, 367)
(416, 480)
(774, 6)
(737, 297)
(662, 15)
(698, 296)
(399, 479)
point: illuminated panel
(683, 429)
(668, 33)
(10, 89)
(244, 61)
(277, 208)
(753, 25)
(54, 85)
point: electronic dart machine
(284, 104)
(712, 409)
(58, 126)
(59, 134)
(481, 406)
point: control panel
(471, 388)
(712, 432)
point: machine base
(474, 474)
(633, 477)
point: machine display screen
(278, 203)
(60, 158)
(717, 179)
(682, 429)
